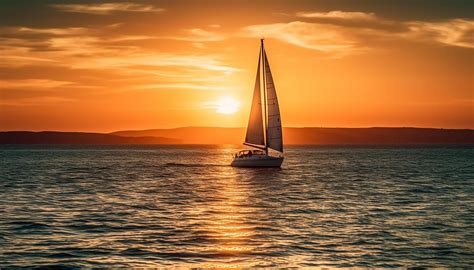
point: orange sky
(106, 66)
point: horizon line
(184, 127)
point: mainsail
(264, 132)
(255, 128)
(274, 132)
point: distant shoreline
(214, 135)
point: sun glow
(227, 105)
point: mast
(264, 97)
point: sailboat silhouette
(264, 130)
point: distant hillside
(53, 137)
(193, 135)
(213, 135)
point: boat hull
(257, 161)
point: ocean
(161, 206)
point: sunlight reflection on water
(148, 206)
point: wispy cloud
(52, 31)
(91, 49)
(456, 32)
(199, 45)
(23, 35)
(187, 86)
(106, 8)
(130, 38)
(35, 101)
(116, 59)
(337, 14)
(198, 35)
(18, 52)
(338, 37)
(204, 62)
(320, 37)
(32, 83)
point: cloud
(48, 31)
(54, 31)
(137, 60)
(17, 60)
(456, 32)
(130, 38)
(36, 37)
(198, 35)
(121, 64)
(106, 8)
(320, 37)
(199, 45)
(337, 14)
(363, 32)
(32, 83)
(35, 101)
(354, 20)
(84, 48)
(91, 53)
(183, 86)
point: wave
(175, 164)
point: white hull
(257, 161)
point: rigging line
(264, 94)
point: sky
(113, 65)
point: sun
(227, 105)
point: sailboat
(264, 131)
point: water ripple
(152, 206)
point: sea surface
(153, 206)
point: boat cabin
(249, 153)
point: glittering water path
(97, 206)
